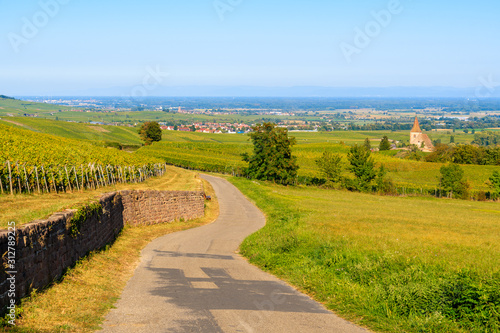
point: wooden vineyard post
(45, 180)
(53, 181)
(98, 173)
(90, 180)
(26, 180)
(110, 175)
(18, 178)
(1, 184)
(95, 177)
(83, 182)
(106, 174)
(112, 171)
(76, 178)
(101, 174)
(10, 179)
(37, 180)
(69, 181)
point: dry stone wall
(44, 249)
(152, 207)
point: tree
(150, 132)
(385, 144)
(495, 182)
(362, 165)
(367, 144)
(442, 153)
(331, 166)
(272, 155)
(452, 180)
(452, 138)
(469, 154)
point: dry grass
(24, 208)
(87, 292)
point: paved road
(193, 281)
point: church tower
(417, 138)
(416, 134)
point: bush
(331, 166)
(452, 181)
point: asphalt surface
(194, 281)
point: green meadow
(391, 264)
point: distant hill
(295, 91)
(6, 97)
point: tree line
(272, 160)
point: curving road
(193, 281)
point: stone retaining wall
(44, 249)
(151, 207)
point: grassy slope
(393, 264)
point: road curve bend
(194, 281)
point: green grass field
(392, 264)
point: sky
(50, 47)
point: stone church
(419, 139)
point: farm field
(392, 264)
(222, 153)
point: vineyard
(206, 156)
(41, 163)
(199, 152)
(17, 179)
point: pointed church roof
(416, 126)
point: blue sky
(79, 45)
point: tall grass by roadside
(392, 264)
(82, 298)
